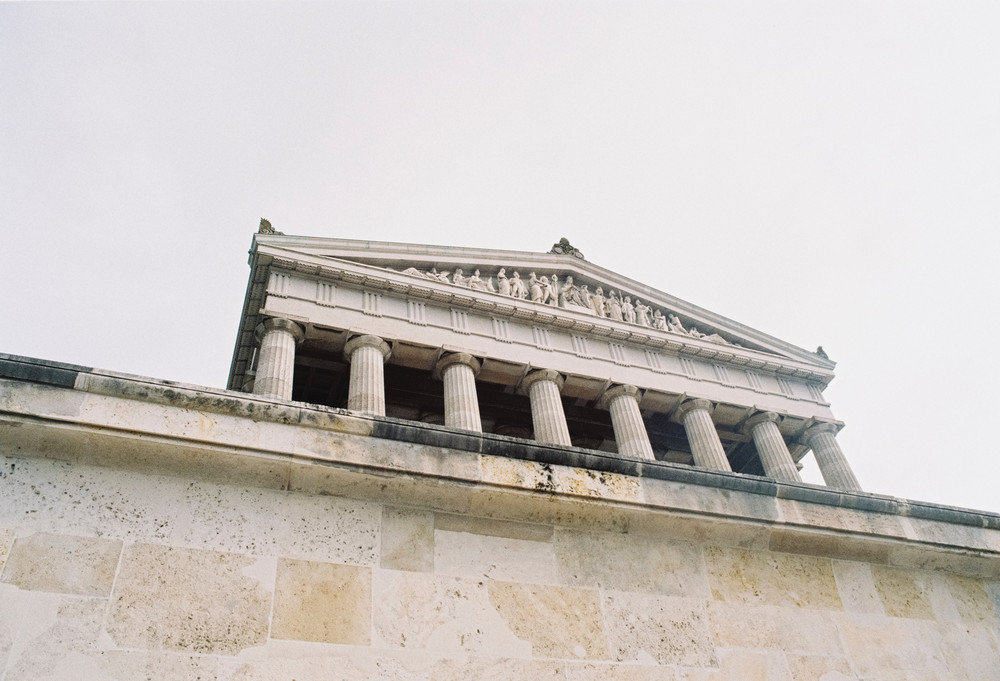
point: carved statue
(458, 279)
(517, 288)
(474, 282)
(675, 324)
(659, 321)
(563, 247)
(642, 313)
(628, 310)
(552, 292)
(535, 288)
(615, 307)
(570, 294)
(413, 272)
(503, 283)
(598, 302)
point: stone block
(825, 667)
(648, 628)
(493, 527)
(973, 602)
(158, 665)
(296, 661)
(806, 631)
(61, 563)
(630, 562)
(616, 671)
(6, 540)
(477, 555)
(904, 593)
(322, 602)
(558, 622)
(738, 575)
(743, 664)
(441, 614)
(497, 669)
(407, 540)
(192, 600)
(857, 587)
(46, 636)
(890, 647)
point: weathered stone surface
(645, 627)
(407, 540)
(294, 661)
(476, 555)
(616, 671)
(974, 605)
(6, 539)
(738, 575)
(497, 669)
(45, 636)
(322, 602)
(492, 527)
(63, 564)
(275, 522)
(190, 599)
(628, 562)
(904, 593)
(559, 622)
(447, 615)
(806, 631)
(127, 665)
(881, 647)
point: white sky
(827, 172)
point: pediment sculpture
(549, 290)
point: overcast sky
(826, 172)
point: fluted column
(547, 415)
(832, 463)
(703, 438)
(771, 447)
(276, 361)
(366, 392)
(461, 402)
(630, 431)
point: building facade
(441, 464)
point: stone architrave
(542, 387)
(832, 463)
(771, 447)
(461, 402)
(703, 438)
(276, 362)
(630, 431)
(366, 392)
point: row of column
(366, 393)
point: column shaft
(630, 431)
(772, 449)
(461, 401)
(276, 361)
(547, 413)
(703, 438)
(366, 392)
(830, 458)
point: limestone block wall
(110, 573)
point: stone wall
(143, 537)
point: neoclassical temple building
(542, 346)
(443, 464)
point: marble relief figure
(548, 290)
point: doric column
(461, 403)
(771, 447)
(547, 415)
(366, 392)
(703, 438)
(630, 431)
(837, 473)
(276, 362)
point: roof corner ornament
(564, 248)
(822, 353)
(266, 228)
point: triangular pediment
(561, 288)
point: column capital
(453, 358)
(367, 341)
(541, 375)
(279, 324)
(604, 401)
(817, 428)
(690, 405)
(759, 418)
